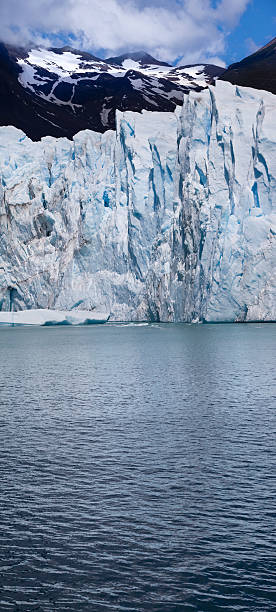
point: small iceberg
(53, 317)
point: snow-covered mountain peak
(62, 64)
(140, 57)
(60, 91)
(40, 67)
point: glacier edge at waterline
(169, 218)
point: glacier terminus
(171, 217)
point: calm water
(138, 468)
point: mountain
(59, 92)
(258, 70)
(168, 218)
(140, 57)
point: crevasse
(170, 218)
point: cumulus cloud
(190, 31)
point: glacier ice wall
(171, 217)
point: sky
(177, 31)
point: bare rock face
(169, 218)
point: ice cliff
(171, 217)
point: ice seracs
(169, 218)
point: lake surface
(138, 468)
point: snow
(62, 64)
(65, 64)
(130, 64)
(52, 317)
(172, 217)
(194, 71)
(138, 84)
(67, 61)
(105, 113)
(29, 76)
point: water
(138, 468)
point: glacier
(169, 218)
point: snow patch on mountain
(62, 64)
(194, 71)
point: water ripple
(137, 468)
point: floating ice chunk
(53, 317)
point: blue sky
(182, 31)
(257, 27)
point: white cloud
(230, 11)
(193, 30)
(251, 45)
